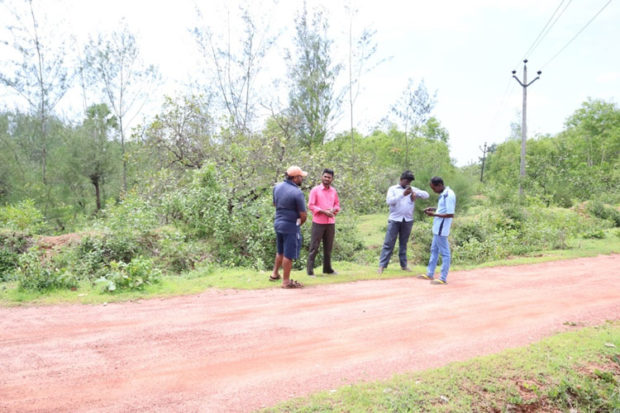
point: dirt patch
(59, 241)
(237, 351)
(52, 244)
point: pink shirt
(323, 198)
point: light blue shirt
(445, 205)
(401, 206)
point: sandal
(272, 278)
(293, 284)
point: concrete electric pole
(524, 84)
(484, 157)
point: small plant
(133, 276)
(594, 234)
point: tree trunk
(95, 181)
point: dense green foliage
(12, 245)
(581, 163)
(203, 198)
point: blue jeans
(440, 246)
(402, 230)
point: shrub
(12, 244)
(348, 243)
(239, 232)
(420, 241)
(200, 207)
(175, 252)
(34, 274)
(95, 253)
(606, 212)
(133, 276)
(23, 217)
(129, 216)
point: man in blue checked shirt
(442, 221)
(401, 200)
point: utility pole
(484, 157)
(524, 84)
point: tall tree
(362, 48)
(183, 135)
(433, 130)
(597, 125)
(413, 109)
(113, 61)
(37, 72)
(312, 99)
(93, 152)
(235, 64)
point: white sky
(465, 50)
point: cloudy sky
(463, 50)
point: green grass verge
(574, 371)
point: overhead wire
(555, 16)
(557, 13)
(547, 28)
(578, 33)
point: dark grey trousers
(402, 230)
(325, 233)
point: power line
(578, 33)
(501, 106)
(548, 26)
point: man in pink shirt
(324, 204)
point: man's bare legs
(287, 264)
(276, 266)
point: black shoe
(331, 273)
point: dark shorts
(288, 244)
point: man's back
(289, 201)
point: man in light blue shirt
(401, 200)
(442, 221)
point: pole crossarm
(521, 83)
(534, 80)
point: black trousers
(325, 233)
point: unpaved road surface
(237, 351)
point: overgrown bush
(348, 243)
(199, 207)
(239, 232)
(12, 243)
(36, 274)
(606, 212)
(493, 233)
(120, 234)
(94, 254)
(23, 217)
(419, 242)
(176, 252)
(134, 275)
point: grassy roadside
(577, 371)
(372, 229)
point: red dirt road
(229, 351)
